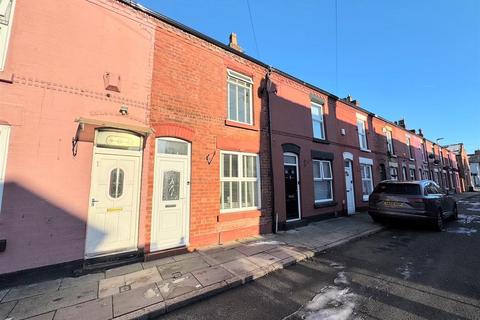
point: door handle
(94, 201)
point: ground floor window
(404, 171)
(322, 178)
(367, 180)
(239, 179)
(393, 173)
(412, 174)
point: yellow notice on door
(113, 210)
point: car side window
(428, 189)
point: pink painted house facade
(59, 82)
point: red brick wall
(189, 101)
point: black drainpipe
(266, 91)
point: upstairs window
(409, 148)
(6, 17)
(239, 98)
(424, 152)
(389, 142)
(317, 121)
(362, 131)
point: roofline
(222, 45)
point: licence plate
(392, 204)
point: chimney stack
(420, 132)
(401, 123)
(356, 103)
(234, 42)
(477, 152)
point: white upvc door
(349, 188)
(4, 138)
(114, 203)
(171, 195)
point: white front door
(114, 202)
(171, 194)
(4, 137)
(349, 189)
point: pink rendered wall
(58, 54)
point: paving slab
(263, 259)
(240, 266)
(157, 262)
(135, 280)
(212, 275)
(5, 308)
(3, 293)
(82, 280)
(130, 301)
(45, 316)
(50, 301)
(196, 295)
(33, 289)
(129, 268)
(176, 269)
(222, 256)
(142, 278)
(184, 256)
(100, 309)
(254, 248)
(172, 288)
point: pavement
(150, 289)
(407, 271)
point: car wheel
(439, 221)
(455, 213)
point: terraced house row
(133, 136)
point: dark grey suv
(415, 200)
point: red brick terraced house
(133, 137)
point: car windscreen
(398, 188)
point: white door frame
(347, 156)
(298, 184)
(154, 222)
(119, 152)
(4, 142)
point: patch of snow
(259, 243)
(150, 293)
(341, 279)
(464, 218)
(406, 270)
(337, 265)
(332, 303)
(462, 230)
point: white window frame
(249, 86)
(320, 119)
(389, 135)
(4, 143)
(368, 164)
(390, 172)
(240, 179)
(322, 178)
(424, 152)
(5, 31)
(408, 141)
(362, 132)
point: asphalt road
(405, 272)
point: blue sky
(414, 59)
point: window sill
(365, 199)
(325, 204)
(393, 155)
(239, 210)
(6, 77)
(366, 150)
(324, 141)
(241, 125)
